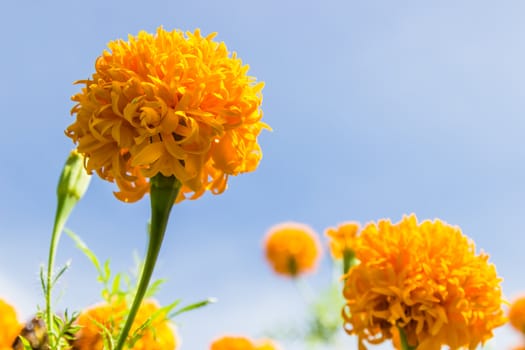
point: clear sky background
(379, 109)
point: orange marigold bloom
(266, 344)
(425, 278)
(232, 343)
(10, 327)
(517, 314)
(342, 238)
(158, 335)
(292, 249)
(242, 343)
(171, 103)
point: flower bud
(74, 179)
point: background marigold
(168, 103)
(266, 344)
(426, 279)
(159, 335)
(517, 314)
(342, 238)
(292, 248)
(242, 343)
(10, 327)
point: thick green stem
(64, 207)
(163, 192)
(404, 340)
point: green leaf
(193, 307)
(60, 273)
(153, 288)
(137, 334)
(84, 249)
(109, 342)
(115, 287)
(167, 309)
(43, 279)
(25, 343)
(106, 274)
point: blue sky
(379, 109)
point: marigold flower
(10, 327)
(232, 343)
(342, 243)
(158, 335)
(517, 314)
(266, 344)
(342, 239)
(426, 279)
(168, 103)
(242, 343)
(292, 249)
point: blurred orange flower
(517, 314)
(292, 249)
(242, 343)
(342, 238)
(266, 344)
(425, 278)
(10, 327)
(158, 335)
(173, 103)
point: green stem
(348, 260)
(305, 290)
(404, 340)
(163, 192)
(64, 207)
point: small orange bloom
(517, 314)
(342, 238)
(232, 343)
(10, 327)
(242, 343)
(159, 335)
(292, 249)
(266, 344)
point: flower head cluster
(292, 249)
(10, 327)
(517, 314)
(158, 334)
(171, 103)
(426, 279)
(342, 239)
(242, 343)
